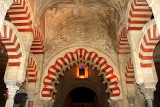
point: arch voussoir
(73, 58)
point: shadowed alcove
(81, 92)
(82, 97)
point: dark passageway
(82, 97)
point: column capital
(12, 86)
(48, 103)
(31, 97)
(112, 102)
(148, 90)
(131, 99)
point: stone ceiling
(92, 22)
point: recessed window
(82, 71)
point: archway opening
(3, 64)
(82, 97)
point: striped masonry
(37, 45)
(32, 69)
(70, 59)
(139, 14)
(11, 42)
(129, 72)
(124, 47)
(150, 39)
(20, 16)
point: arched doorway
(64, 64)
(71, 86)
(82, 97)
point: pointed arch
(73, 58)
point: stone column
(131, 101)
(31, 100)
(12, 89)
(148, 94)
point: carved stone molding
(12, 87)
(148, 90)
(91, 26)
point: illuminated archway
(72, 57)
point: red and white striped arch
(73, 58)
(32, 69)
(139, 14)
(10, 37)
(147, 45)
(37, 44)
(129, 71)
(20, 16)
(124, 47)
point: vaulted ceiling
(93, 22)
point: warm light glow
(81, 66)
